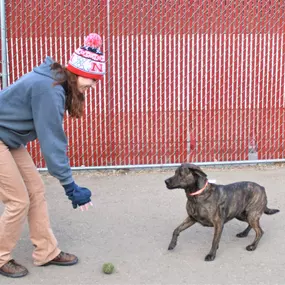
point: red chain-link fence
(199, 81)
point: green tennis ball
(108, 268)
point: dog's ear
(196, 169)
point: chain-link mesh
(198, 81)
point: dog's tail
(268, 211)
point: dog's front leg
(218, 227)
(188, 222)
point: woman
(33, 108)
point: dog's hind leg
(253, 221)
(188, 222)
(244, 233)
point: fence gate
(199, 81)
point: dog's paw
(210, 257)
(171, 246)
(250, 247)
(241, 235)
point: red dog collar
(199, 191)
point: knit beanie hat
(88, 61)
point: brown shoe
(64, 259)
(13, 269)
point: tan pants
(23, 194)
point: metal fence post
(4, 45)
(109, 104)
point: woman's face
(83, 83)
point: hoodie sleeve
(48, 111)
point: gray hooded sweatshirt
(33, 108)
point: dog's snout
(168, 183)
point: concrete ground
(131, 225)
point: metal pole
(172, 165)
(4, 45)
(109, 102)
(108, 40)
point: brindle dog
(213, 205)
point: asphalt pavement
(131, 225)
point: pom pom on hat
(93, 40)
(88, 61)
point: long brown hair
(74, 100)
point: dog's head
(188, 176)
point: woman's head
(85, 68)
(88, 61)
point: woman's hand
(79, 196)
(86, 206)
